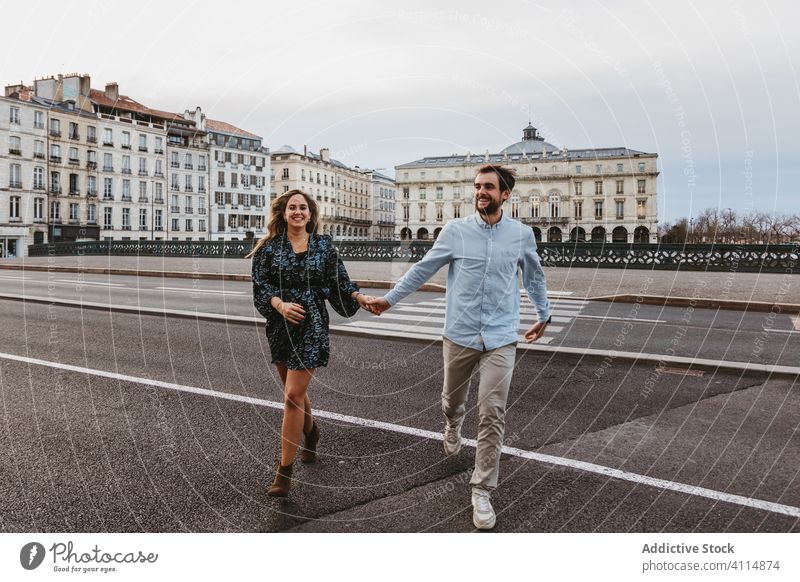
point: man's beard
(491, 208)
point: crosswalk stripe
(436, 317)
(524, 315)
(571, 306)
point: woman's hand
(363, 300)
(291, 312)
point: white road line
(636, 478)
(789, 331)
(186, 290)
(610, 318)
(80, 283)
(797, 322)
(434, 318)
(13, 277)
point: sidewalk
(580, 283)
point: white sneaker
(452, 438)
(482, 512)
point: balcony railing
(201, 211)
(74, 136)
(91, 165)
(108, 196)
(92, 193)
(55, 133)
(55, 159)
(188, 189)
(108, 143)
(143, 199)
(188, 167)
(38, 186)
(108, 168)
(74, 162)
(126, 146)
(55, 189)
(158, 151)
(174, 165)
(126, 170)
(143, 172)
(38, 155)
(14, 152)
(91, 138)
(143, 149)
(75, 192)
(15, 184)
(175, 209)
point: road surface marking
(188, 290)
(434, 319)
(636, 478)
(78, 283)
(425, 330)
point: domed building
(597, 195)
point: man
(484, 252)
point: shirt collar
(483, 224)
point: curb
(771, 370)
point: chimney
(112, 91)
(11, 89)
(86, 85)
(305, 150)
(325, 154)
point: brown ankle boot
(283, 480)
(309, 452)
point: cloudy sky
(712, 87)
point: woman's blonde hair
(277, 222)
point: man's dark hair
(506, 177)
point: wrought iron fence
(783, 258)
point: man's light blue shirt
(482, 281)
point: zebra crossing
(426, 318)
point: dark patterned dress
(308, 279)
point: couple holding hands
(295, 271)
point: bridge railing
(783, 258)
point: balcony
(174, 165)
(91, 194)
(143, 199)
(545, 220)
(74, 192)
(201, 211)
(189, 229)
(14, 152)
(126, 171)
(55, 189)
(108, 143)
(174, 188)
(175, 209)
(159, 228)
(55, 159)
(188, 166)
(55, 133)
(158, 201)
(91, 138)
(127, 198)
(126, 227)
(91, 222)
(158, 174)
(143, 172)
(74, 136)
(38, 186)
(189, 211)
(38, 155)
(108, 197)
(91, 165)
(202, 168)
(158, 151)
(126, 146)
(74, 162)
(143, 149)
(108, 168)
(188, 189)
(201, 190)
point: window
(176, 225)
(620, 207)
(14, 145)
(641, 166)
(126, 164)
(142, 218)
(13, 209)
(599, 168)
(73, 130)
(159, 192)
(422, 209)
(640, 186)
(619, 167)
(233, 180)
(108, 188)
(598, 209)
(107, 217)
(578, 209)
(142, 191)
(159, 147)
(38, 120)
(38, 149)
(405, 192)
(174, 185)
(189, 208)
(38, 178)
(159, 219)
(126, 140)
(91, 213)
(14, 115)
(126, 218)
(515, 206)
(221, 179)
(405, 211)
(187, 161)
(73, 184)
(73, 156)
(159, 168)
(91, 134)
(422, 193)
(439, 213)
(641, 209)
(38, 208)
(108, 163)
(456, 210)
(201, 183)
(55, 182)
(55, 210)
(201, 164)
(598, 187)
(422, 175)
(439, 192)
(188, 182)
(201, 225)
(142, 166)
(15, 176)
(142, 142)
(126, 190)
(555, 205)
(108, 136)
(620, 189)
(91, 185)
(73, 211)
(578, 169)
(189, 225)
(55, 153)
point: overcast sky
(712, 87)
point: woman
(294, 272)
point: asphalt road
(183, 437)
(764, 338)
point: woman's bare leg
(294, 413)
(308, 419)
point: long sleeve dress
(308, 278)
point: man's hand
(535, 332)
(377, 305)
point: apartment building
(603, 194)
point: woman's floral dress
(307, 278)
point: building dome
(532, 143)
